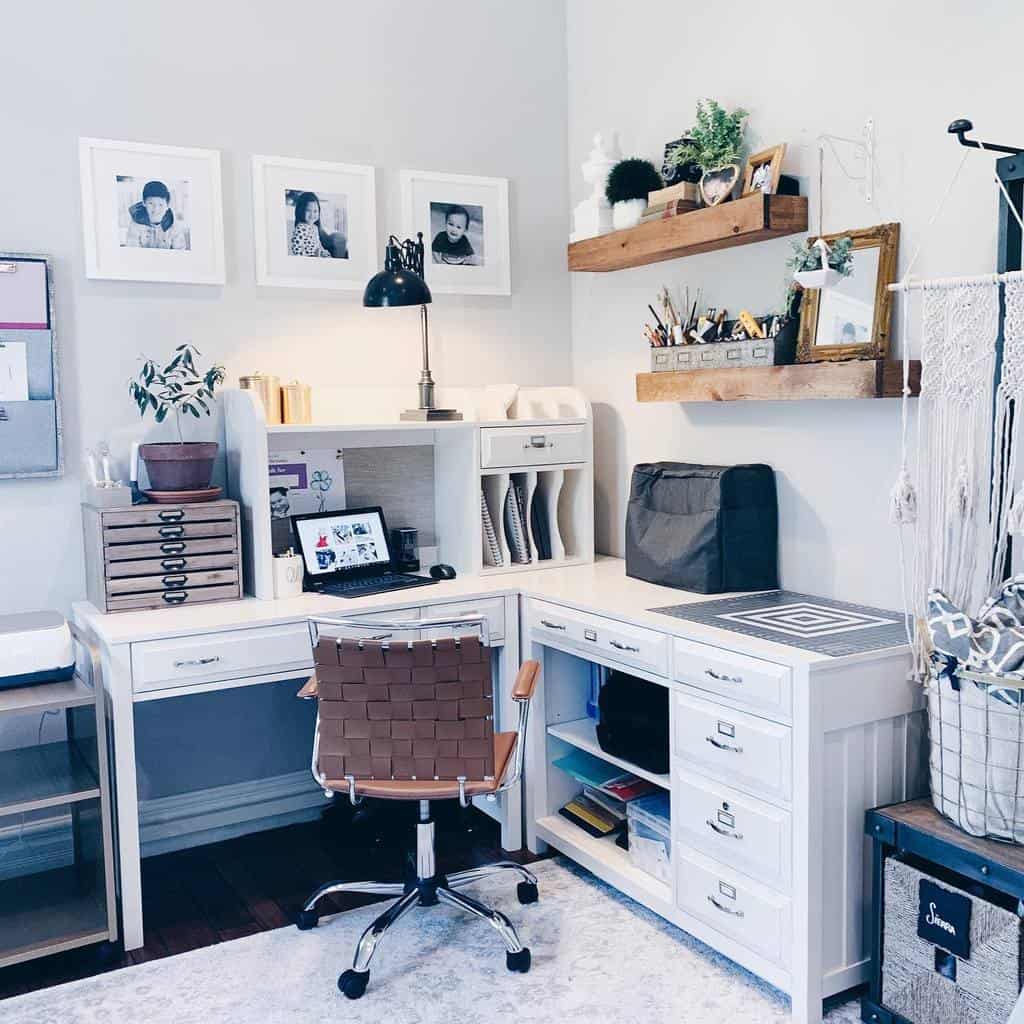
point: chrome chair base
(428, 890)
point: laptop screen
(342, 541)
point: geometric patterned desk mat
(819, 624)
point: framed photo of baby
(465, 225)
(316, 223)
(151, 213)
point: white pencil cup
(287, 575)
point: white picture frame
(478, 261)
(340, 254)
(185, 245)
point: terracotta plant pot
(179, 467)
(716, 186)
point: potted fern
(816, 264)
(629, 181)
(177, 389)
(714, 144)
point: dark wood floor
(223, 891)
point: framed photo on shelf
(763, 171)
(465, 224)
(151, 213)
(315, 223)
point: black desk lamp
(401, 283)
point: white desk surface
(600, 588)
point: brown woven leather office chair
(413, 720)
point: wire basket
(976, 761)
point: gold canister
(268, 388)
(297, 402)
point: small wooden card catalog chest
(159, 556)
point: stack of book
(600, 809)
(668, 202)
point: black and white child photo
(153, 214)
(317, 224)
(458, 234)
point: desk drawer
(168, 531)
(161, 515)
(760, 685)
(632, 646)
(532, 446)
(741, 831)
(171, 581)
(372, 632)
(754, 916)
(166, 664)
(171, 598)
(170, 564)
(493, 610)
(114, 554)
(733, 747)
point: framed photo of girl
(315, 223)
(151, 213)
(465, 225)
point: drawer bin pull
(724, 910)
(172, 549)
(175, 596)
(721, 677)
(196, 662)
(171, 515)
(171, 531)
(722, 831)
(175, 581)
(723, 746)
(552, 625)
(539, 441)
(173, 564)
(624, 647)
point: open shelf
(754, 218)
(582, 733)
(44, 776)
(864, 378)
(46, 697)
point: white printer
(35, 647)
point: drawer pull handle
(175, 581)
(539, 441)
(171, 531)
(175, 597)
(173, 564)
(172, 549)
(722, 831)
(171, 515)
(624, 647)
(721, 677)
(724, 910)
(197, 662)
(723, 746)
(552, 625)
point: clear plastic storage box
(650, 835)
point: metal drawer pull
(552, 625)
(196, 662)
(722, 831)
(172, 549)
(171, 531)
(175, 596)
(175, 581)
(171, 515)
(722, 678)
(624, 647)
(539, 441)
(724, 910)
(723, 746)
(173, 564)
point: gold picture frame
(773, 158)
(885, 238)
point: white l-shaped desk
(818, 739)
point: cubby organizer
(438, 477)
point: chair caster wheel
(518, 962)
(527, 892)
(353, 983)
(306, 920)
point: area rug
(597, 956)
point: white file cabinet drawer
(492, 609)
(732, 746)
(373, 632)
(754, 916)
(168, 664)
(502, 447)
(760, 685)
(632, 646)
(732, 828)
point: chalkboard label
(944, 919)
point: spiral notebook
(492, 549)
(515, 528)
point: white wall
(800, 71)
(468, 86)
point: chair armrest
(310, 690)
(526, 680)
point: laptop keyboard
(374, 584)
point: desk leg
(535, 798)
(511, 799)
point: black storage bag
(711, 529)
(634, 721)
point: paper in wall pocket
(944, 918)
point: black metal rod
(962, 126)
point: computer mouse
(442, 572)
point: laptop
(346, 554)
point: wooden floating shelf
(754, 218)
(868, 378)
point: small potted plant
(816, 264)
(629, 181)
(714, 144)
(177, 388)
